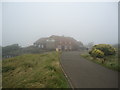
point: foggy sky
(24, 23)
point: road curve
(86, 74)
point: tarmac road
(86, 74)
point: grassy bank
(111, 62)
(34, 71)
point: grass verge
(111, 62)
(33, 71)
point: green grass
(33, 71)
(111, 62)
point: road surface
(83, 73)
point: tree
(11, 50)
(90, 45)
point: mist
(26, 22)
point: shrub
(96, 53)
(105, 48)
(102, 50)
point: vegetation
(90, 45)
(11, 50)
(104, 55)
(105, 48)
(111, 62)
(102, 50)
(16, 50)
(96, 53)
(33, 71)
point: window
(39, 46)
(65, 47)
(53, 40)
(50, 40)
(59, 46)
(42, 46)
(70, 47)
(47, 40)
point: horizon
(59, 35)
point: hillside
(34, 71)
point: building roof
(56, 38)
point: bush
(102, 50)
(96, 53)
(105, 48)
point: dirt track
(86, 74)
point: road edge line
(67, 77)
